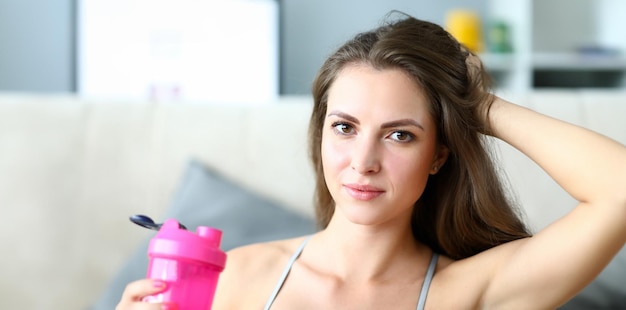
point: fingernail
(159, 283)
(169, 306)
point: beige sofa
(73, 170)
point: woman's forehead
(388, 91)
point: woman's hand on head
(474, 67)
(137, 290)
(479, 90)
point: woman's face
(379, 144)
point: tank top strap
(286, 271)
(421, 303)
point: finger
(147, 306)
(143, 306)
(137, 290)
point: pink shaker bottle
(189, 262)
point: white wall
(564, 25)
(209, 51)
(311, 30)
(611, 18)
(36, 45)
(37, 37)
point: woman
(411, 211)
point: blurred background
(205, 49)
(72, 170)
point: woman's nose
(365, 156)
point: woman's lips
(363, 192)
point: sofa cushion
(206, 198)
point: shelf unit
(547, 37)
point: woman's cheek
(335, 154)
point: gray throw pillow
(205, 198)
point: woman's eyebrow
(396, 123)
(401, 123)
(344, 116)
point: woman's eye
(343, 128)
(402, 136)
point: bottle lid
(176, 242)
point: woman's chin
(364, 215)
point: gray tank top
(423, 293)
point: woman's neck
(355, 252)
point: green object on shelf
(499, 38)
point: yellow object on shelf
(465, 26)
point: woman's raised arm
(547, 269)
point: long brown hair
(464, 208)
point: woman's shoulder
(253, 271)
(264, 253)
